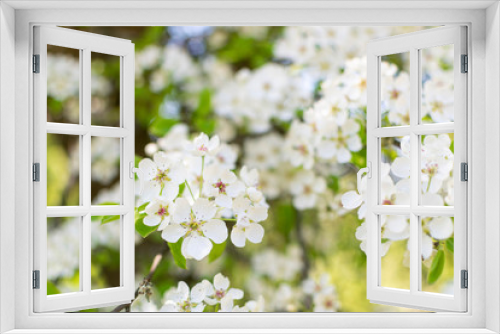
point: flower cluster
(218, 294)
(192, 192)
(323, 294)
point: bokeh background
(258, 89)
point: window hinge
(464, 172)
(36, 63)
(36, 279)
(36, 172)
(465, 279)
(465, 64)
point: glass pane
(437, 245)
(394, 251)
(63, 84)
(105, 259)
(437, 84)
(105, 171)
(105, 89)
(436, 176)
(395, 89)
(395, 171)
(63, 255)
(63, 170)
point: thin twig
(302, 244)
(156, 261)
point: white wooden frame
(485, 50)
(86, 43)
(412, 44)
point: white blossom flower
(247, 224)
(161, 176)
(197, 225)
(305, 187)
(221, 184)
(220, 290)
(202, 145)
(440, 228)
(159, 212)
(183, 300)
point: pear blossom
(306, 187)
(220, 290)
(221, 184)
(202, 145)
(184, 300)
(197, 225)
(247, 222)
(159, 212)
(161, 176)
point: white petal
(401, 167)
(177, 174)
(221, 282)
(257, 213)
(254, 233)
(351, 200)
(238, 236)
(302, 202)
(240, 204)
(181, 211)
(182, 290)
(151, 220)
(170, 191)
(354, 143)
(396, 223)
(426, 246)
(148, 169)
(236, 293)
(216, 230)
(161, 160)
(213, 145)
(198, 292)
(226, 304)
(224, 201)
(170, 306)
(343, 155)
(361, 232)
(173, 232)
(198, 308)
(441, 227)
(432, 199)
(326, 149)
(196, 247)
(235, 189)
(150, 190)
(204, 209)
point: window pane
(106, 231)
(437, 245)
(394, 251)
(63, 84)
(105, 171)
(63, 170)
(395, 171)
(105, 89)
(437, 170)
(63, 255)
(437, 84)
(395, 89)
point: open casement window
(88, 138)
(417, 144)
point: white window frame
(484, 103)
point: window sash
(86, 43)
(412, 43)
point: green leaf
(216, 252)
(109, 219)
(142, 207)
(450, 244)
(436, 267)
(179, 259)
(142, 229)
(52, 289)
(160, 126)
(333, 183)
(109, 203)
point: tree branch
(302, 244)
(156, 261)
